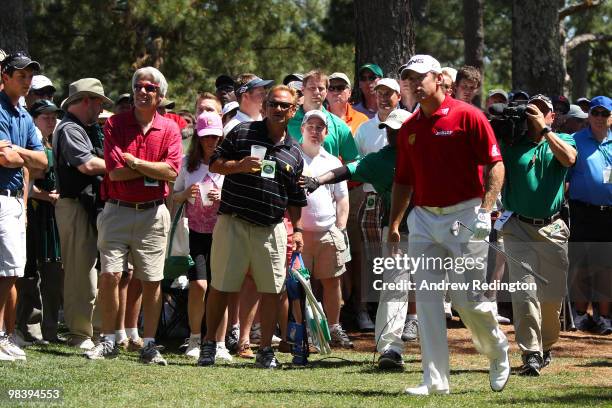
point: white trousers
(430, 237)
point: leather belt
(138, 206)
(12, 193)
(593, 206)
(538, 221)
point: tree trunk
(473, 37)
(384, 34)
(579, 70)
(13, 36)
(537, 65)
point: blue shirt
(586, 176)
(17, 126)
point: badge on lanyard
(607, 175)
(370, 202)
(268, 168)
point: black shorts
(199, 249)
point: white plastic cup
(204, 190)
(258, 151)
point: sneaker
(266, 359)
(22, 341)
(223, 353)
(184, 346)
(245, 351)
(499, 372)
(275, 340)
(411, 330)
(423, 389)
(135, 345)
(10, 348)
(547, 358)
(231, 340)
(603, 325)
(123, 344)
(500, 319)
(104, 349)
(364, 322)
(583, 322)
(208, 351)
(5, 355)
(83, 344)
(448, 311)
(339, 338)
(193, 348)
(255, 335)
(390, 360)
(150, 355)
(532, 366)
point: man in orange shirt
(338, 95)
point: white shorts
(12, 237)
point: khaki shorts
(322, 253)
(238, 246)
(143, 234)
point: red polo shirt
(441, 156)
(161, 143)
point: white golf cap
(389, 83)
(40, 82)
(315, 113)
(228, 107)
(342, 76)
(395, 119)
(423, 64)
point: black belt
(538, 221)
(593, 206)
(12, 193)
(138, 206)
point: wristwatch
(545, 130)
(134, 163)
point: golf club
(522, 264)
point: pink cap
(209, 123)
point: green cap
(374, 68)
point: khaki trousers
(79, 255)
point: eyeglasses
(601, 113)
(367, 78)
(149, 87)
(314, 128)
(276, 104)
(337, 88)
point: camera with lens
(508, 122)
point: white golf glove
(481, 227)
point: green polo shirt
(535, 179)
(378, 169)
(339, 140)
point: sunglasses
(366, 78)
(149, 87)
(601, 113)
(282, 105)
(43, 92)
(337, 88)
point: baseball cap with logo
(389, 83)
(19, 60)
(372, 67)
(395, 119)
(576, 112)
(228, 107)
(40, 82)
(315, 113)
(296, 76)
(209, 124)
(423, 64)
(601, 102)
(256, 82)
(42, 106)
(543, 98)
(342, 76)
(498, 92)
(91, 87)
(224, 80)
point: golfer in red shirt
(443, 151)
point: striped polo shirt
(251, 197)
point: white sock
(195, 336)
(132, 333)
(148, 340)
(221, 344)
(120, 335)
(2, 333)
(110, 337)
(333, 327)
(412, 317)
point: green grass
(331, 382)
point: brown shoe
(135, 345)
(245, 351)
(123, 345)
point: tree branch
(585, 38)
(575, 8)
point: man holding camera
(536, 165)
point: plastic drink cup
(258, 151)
(204, 190)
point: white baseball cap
(342, 76)
(315, 113)
(228, 107)
(395, 119)
(423, 64)
(389, 83)
(40, 82)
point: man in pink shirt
(142, 151)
